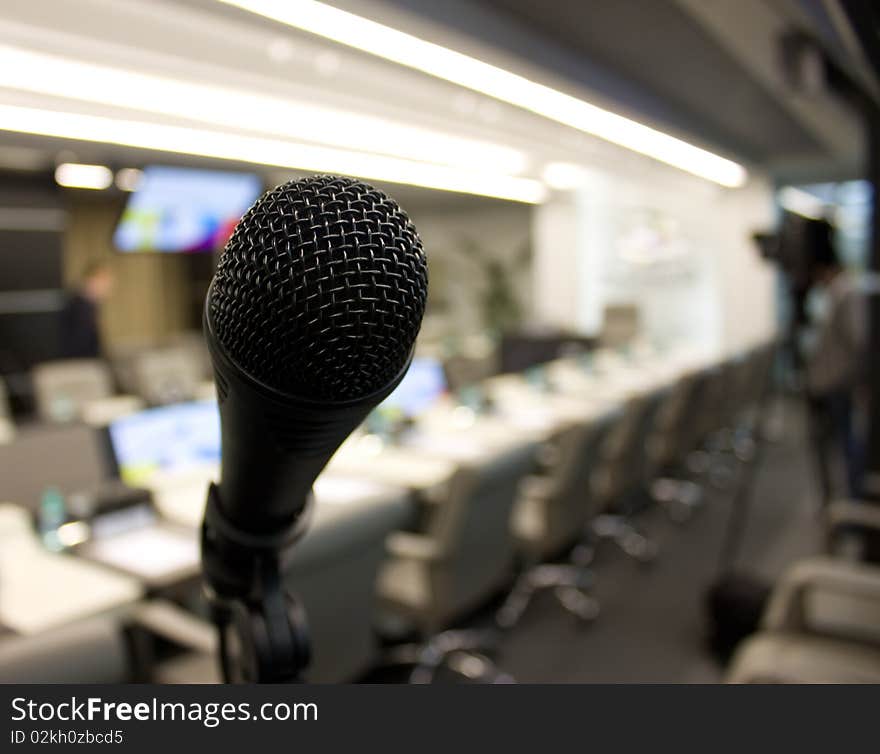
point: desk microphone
(310, 320)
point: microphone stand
(262, 629)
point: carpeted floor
(652, 626)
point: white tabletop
(180, 497)
(368, 458)
(40, 590)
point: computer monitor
(423, 384)
(184, 210)
(168, 438)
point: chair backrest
(669, 438)
(167, 375)
(472, 530)
(63, 387)
(620, 325)
(463, 371)
(87, 651)
(709, 415)
(568, 504)
(5, 410)
(7, 424)
(624, 465)
(193, 342)
(760, 373)
(333, 571)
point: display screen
(168, 438)
(184, 210)
(423, 384)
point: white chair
(465, 558)
(467, 554)
(63, 387)
(822, 625)
(7, 425)
(551, 521)
(167, 375)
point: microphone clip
(262, 629)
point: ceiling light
(435, 60)
(564, 176)
(261, 151)
(73, 175)
(234, 108)
(128, 179)
(801, 203)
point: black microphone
(311, 320)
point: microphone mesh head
(320, 291)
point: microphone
(310, 320)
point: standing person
(835, 364)
(80, 331)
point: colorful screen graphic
(166, 439)
(182, 210)
(423, 384)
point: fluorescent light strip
(435, 60)
(73, 175)
(563, 176)
(227, 146)
(221, 106)
(801, 202)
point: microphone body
(311, 321)
(275, 445)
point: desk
(521, 405)
(168, 552)
(180, 497)
(158, 554)
(366, 457)
(40, 590)
(428, 455)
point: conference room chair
(620, 325)
(822, 625)
(464, 558)
(551, 520)
(63, 387)
(122, 358)
(670, 439)
(332, 572)
(7, 423)
(167, 375)
(193, 343)
(620, 483)
(709, 459)
(463, 371)
(104, 411)
(92, 650)
(732, 411)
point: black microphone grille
(320, 291)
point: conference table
(40, 589)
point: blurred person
(80, 331)
(836, 358)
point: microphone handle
(273, 448)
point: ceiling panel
(648, 56)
